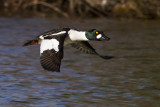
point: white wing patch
(49, 44)
(59, 33)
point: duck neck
(75, 35)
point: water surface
(131, 79)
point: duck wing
(51, 51)
(85, 47)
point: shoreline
(85, 9)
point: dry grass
(86, 8)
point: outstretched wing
(50, 60)
(85, 47)
(51, 50)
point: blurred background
(130, 79)
(144, 9)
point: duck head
(96, 35)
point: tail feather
(31, 42)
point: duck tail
(31, 42)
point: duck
(52, 44)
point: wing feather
(85, 47)
(51, 50)
(50, 61)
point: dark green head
(96, 35)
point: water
(131, 79)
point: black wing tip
(107, 57)
(51, 69)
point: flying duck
(52, 42)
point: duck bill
(104, 38)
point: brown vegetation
(85, 8)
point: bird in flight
(53, 41)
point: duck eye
(96, 32)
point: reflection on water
(130, 79)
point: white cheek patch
(48, 45)
(98, 36)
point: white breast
(77, 35)
(49, 44)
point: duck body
(53, 42)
